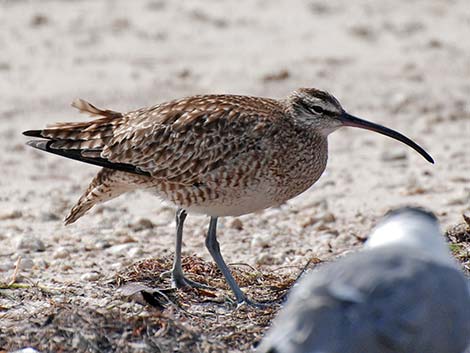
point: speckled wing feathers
(186, 140)
(177, 141)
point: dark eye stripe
(303, 105)
(310, 109)
(317, 109)
(307, 107)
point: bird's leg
(178, 279)
(214, 249)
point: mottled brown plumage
(199, 149)
(219, 155)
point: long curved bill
(350, 120)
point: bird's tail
(89, 134)
(106, 185)
(83, 141)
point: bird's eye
(317, 109)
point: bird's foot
(248, 302)
(179, 280)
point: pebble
(328, 217)
(140, 346)
(61, 253)
(399, 101)
(10, 215)
(320, 220)
(6, 266)
(363, 31)
(142, 224)
(102, 244)
(277, 76)
(135, 252)
(261, 240)
(121, 249)
(31, 243)
(66, 267)
(236, 224)
(26, 350)
(48, 217)
(308, 221)
(324, 228)
(26, 264)
(393, 155)
(41, 263)
(90, 276)
(264, 259)
(127, 239)
(116, 266)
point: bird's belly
(233, 206)
(238, 190)
(235, 201)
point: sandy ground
(405, 64)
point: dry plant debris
(459, 239)
(149, 316)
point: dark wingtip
(39, 144)
(33, 133)
(46, 145)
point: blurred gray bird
(403, 293)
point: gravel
(30, 243)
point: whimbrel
(403, 293)
(218, 155)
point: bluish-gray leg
(214, 249)
(178, 280)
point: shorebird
(403, 293)
(217, 155)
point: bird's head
(323, 112)
(411, 227)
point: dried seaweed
(162, 319)
(459, 239)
